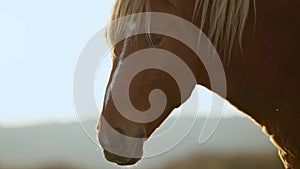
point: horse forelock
(123, 8)
(226, 21)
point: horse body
(262, 78)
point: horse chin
(120, 160)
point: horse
(258, 43)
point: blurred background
(40, 42)
(237, 144)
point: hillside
(67, 144)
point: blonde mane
(226, 22)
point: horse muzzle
(123, 161)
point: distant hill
(68, 144)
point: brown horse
(261, 73)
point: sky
(40, 42)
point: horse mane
(226, 22)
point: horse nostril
(120, 130)
(98, 127)
(120, 160)
(140, 133)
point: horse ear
(172, 2)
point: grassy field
(239, 161)
(208, 161)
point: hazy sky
(40, 42)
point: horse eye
(155, 39)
